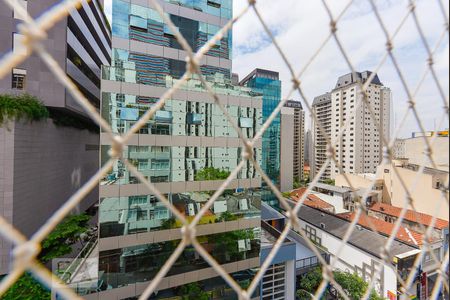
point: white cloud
(302, 25)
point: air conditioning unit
(220, 207)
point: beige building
(359, 149)
(292, 144)
(428, 190)
(414, 150)
(322, 110)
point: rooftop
(333, 188)
(293, 104)
(366, 240)
(410, 215)
(352, 78)
(270, 235)
(404, 234)
(311, 200)
(322, 99)
(261, 73)
(268, 213)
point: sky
(300, 27)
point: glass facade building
(186, 150)
(269, 85)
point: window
(311, 233)
(19, 79)
(168, 31)
(138, 200)
(24, 4)
(194, 119)
(246, 122)
(18, 47)
(142, 215)
(214, 3)
(161, 214)
(138, 23)
(160, 164)
(142, 164)
(162, 116)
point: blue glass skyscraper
(269, 85)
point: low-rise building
(417, 222)
(279, 279)
(414, 150)
(428, 199)
(361, 253)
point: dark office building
(43, 163)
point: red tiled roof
(311, 200)
(410, 215)
(408, 236)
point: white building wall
(287, 149)
(359, 149)
(323, 112)
(353, 259)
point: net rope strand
(25, 251)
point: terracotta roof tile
(408, 236)
(410, 215)
(311, 200)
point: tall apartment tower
(321, 128)
(45, 162)
(292, 144)
(359, 150)
(308, 147)
(186, 151)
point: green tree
(27, 288)
(168, 224)
(330, 182)
(286, 194)
(310, 281)
(192, 291)
(227, 242)
(304, 295)
(226, 217)
(353, 285)
(211, 173)
(59, 242)
(22, 107)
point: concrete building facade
(308, 148)
(414, 150)
(43, 163)
(359, 149)
(428, 199)
(279, 281)
(359, 253)
(321, 128)
(292, 144)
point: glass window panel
(163, 116)
(129, 114)
(138, 22)
(139, 11)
